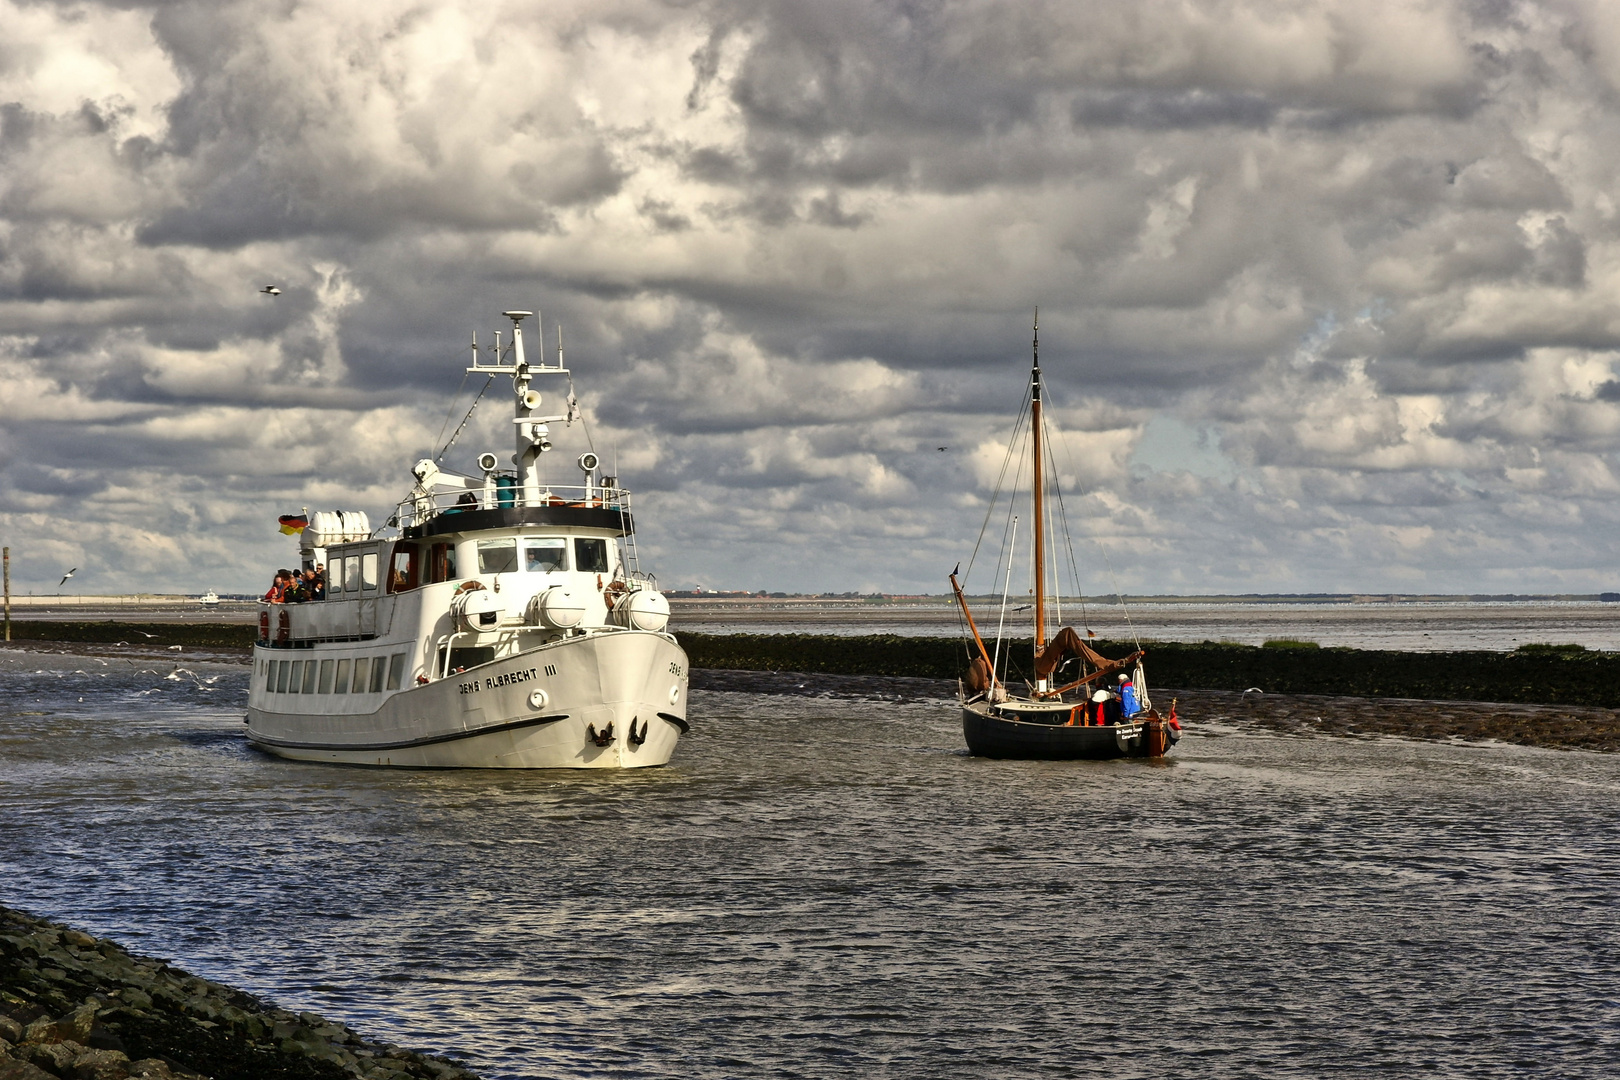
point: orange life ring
(284, 629)
(264, 626)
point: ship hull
(612, 700)
(992, 735)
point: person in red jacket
(278, 589)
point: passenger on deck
(468, 501)
(318, 588)
(278, 589)
(297, 591)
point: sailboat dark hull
(1001, 736)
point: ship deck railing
(425, 507)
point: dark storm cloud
(1325, 288)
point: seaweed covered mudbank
(1552, 727)
(1565, 675)
(1534, 674)
(123, 633)
(76, 1007)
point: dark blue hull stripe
(367, 748)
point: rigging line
(1001, 622)
(995, 496)
(582, 421)
(1051, 545)
(1068, 535)
(1119, 595)
(1050, 484)
(1114, 578)
(1007, 529)
(487, 383)
(452, 410)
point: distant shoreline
(118, 605)
(1533, 674)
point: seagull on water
(271, 290)
(67, 575)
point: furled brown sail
(1067, 643)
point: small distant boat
(1075, 703)
(209, 598)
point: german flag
(293, 523)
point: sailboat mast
(1037, 489)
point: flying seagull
(942, 449)
(271, 290)
(67, 575)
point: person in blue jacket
(1127, 696)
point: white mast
(532, 435)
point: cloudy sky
(1329, 292)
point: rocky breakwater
(76, 1007)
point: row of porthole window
(361, 675)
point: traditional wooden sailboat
(1076, 702)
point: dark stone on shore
(77, 1007)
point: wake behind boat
(1076, 702)
(503, 622)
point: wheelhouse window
(497, 556)
(402, 576)
(351, 574)
(442, 562)
(590, 556)
(368, 571)
(545, 555)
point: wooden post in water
(7, 560)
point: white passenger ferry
(495, 622)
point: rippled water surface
(828, 886)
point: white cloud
(1363, 254)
